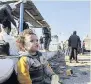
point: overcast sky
(66, 16)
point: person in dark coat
(75, 43)
(41, 42)
(6, 13)
(47, 37)
(7, 26)
(25, 25)
(83, 47)
(6, 17)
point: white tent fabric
(12, 42)
(6, 69)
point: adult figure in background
(83, 47)
(41, 42)
(7, 26)
(62, 46)
(75, 43)
(6, 17)
(47, 37)
(25, 25)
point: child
(32, 65)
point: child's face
(31, 43)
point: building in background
(87, 43)
(54, 43)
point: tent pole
(21, 16)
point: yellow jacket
(23, 71)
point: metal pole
(21, 16)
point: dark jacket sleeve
(79, 42)
(9, 15)
(69, 41)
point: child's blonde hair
(21, 38)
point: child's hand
(55, 79)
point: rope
(3, 56)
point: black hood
(74, 32)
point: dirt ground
(81, 70)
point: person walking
(83, 47)
(41, 43)
(74, 43)
(47, 37)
